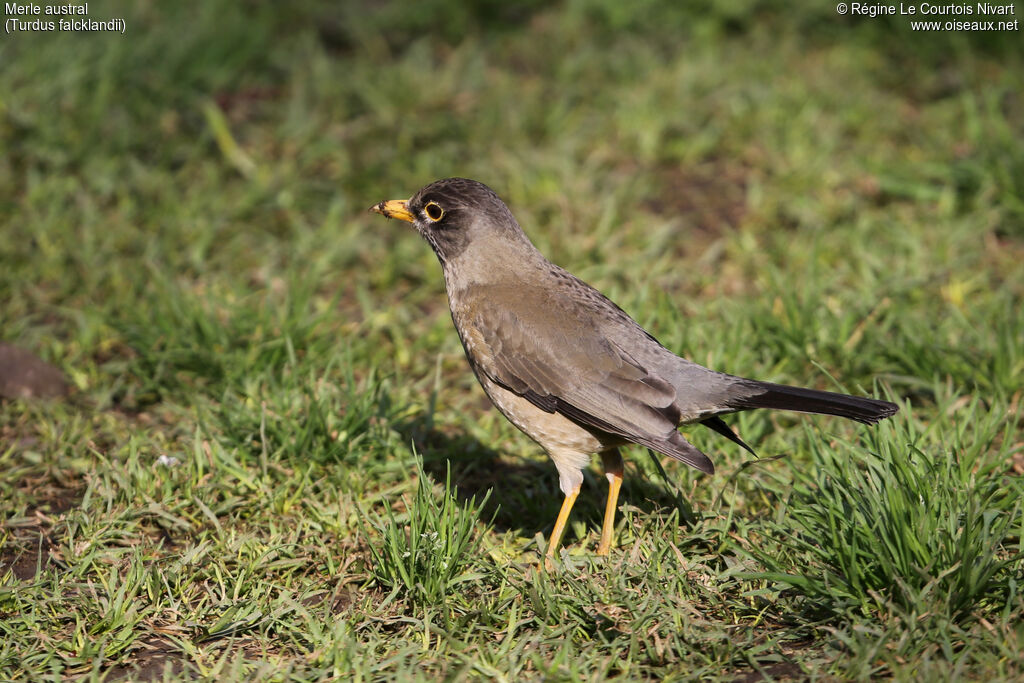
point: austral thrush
(566, 365)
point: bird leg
(556, 533)
(612, 461)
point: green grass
(429, 555)
(772, 190)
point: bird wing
(554, 355)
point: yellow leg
(556, 533)
(613, 470)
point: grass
(427, 552)
(270, 408)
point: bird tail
(783, 397)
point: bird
(566, 365)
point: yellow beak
(394, 208)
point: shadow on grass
(525, 497)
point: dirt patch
(29, 550)
(783, 671)
(26, 558)
(241, 105)
(53, 499)
(710, 197)
(350, 597)
(149, 662)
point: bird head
(455, 213)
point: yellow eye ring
(433, 211)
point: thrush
(566, 365)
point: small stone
(25, 375)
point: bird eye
(434, 211)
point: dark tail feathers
(783, 397)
